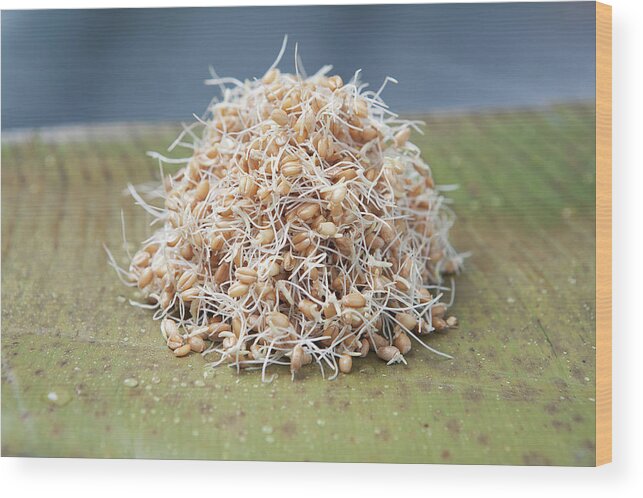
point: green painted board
(520, 389)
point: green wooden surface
(520, 389)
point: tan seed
(186, 280)
(169, 327)
(141, 259)
(173, 239)
(236, 326)
(202, 190)
(279, 116)
(174, 344)
(369, 134)
(187, 252)
(291, 169)
(296, 359)
(277, 319)
(284, 187)
(402, 342)
(189, 295)
(182, 351)
(373, 242)
(388, 353)
(308, 211)
(327, 229)
(222, 273)
(146, 278)
(378, 341)
(330, 310)
(196, 344)
(331, 332)
(338, 194)
(406, 267)
(152, 248)
(263, 193)
(246, 275)
(229, 342)
(309, 309)
(288, 262)
(270, 76)
(438, 323)
(215, 329)
(238, 290)
(361, 108)
(344, 245)
(354, 300)
(346, 175)
(402, 136)
(325, 147)
(345, 363)
(438, 310)
(301, 242)
(407, 320)
(352, 318)
(217, 243)
(266, 236)
(387, 233)
(274, 269)
(335, 82)
(247, 186)
(425, 296)
(166, 299)
(365, 347)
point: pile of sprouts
(303, 229)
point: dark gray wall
(62, 66)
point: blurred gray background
(73, 66)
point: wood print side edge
(603, 234)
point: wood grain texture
(603, 234)
(521, 387)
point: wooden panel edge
(603, 234)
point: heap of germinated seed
(305, 228)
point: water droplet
(59, 397)
(130, 382)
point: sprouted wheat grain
(304, 228)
